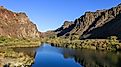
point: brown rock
(16, 25)
(99, 24)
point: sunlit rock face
(16, 25)
(99, 24)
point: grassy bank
(15, 42)
(8, 57)
(111, 43)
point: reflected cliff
(92, 58)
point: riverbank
(97, 44)
(8, 57)
(15, 42)
(11, 58)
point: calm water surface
(49, 56)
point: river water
(49, 56)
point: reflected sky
(48, 56)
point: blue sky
(51, 14)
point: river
(49, 56)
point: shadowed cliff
(93, 25)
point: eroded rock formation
(16, 25)
(99, 24)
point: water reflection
(90, 58)
(29, 51)
(48, 56)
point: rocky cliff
(99, 24)
(16, 25)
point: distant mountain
(16, 25)
(99, 24)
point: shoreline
(16, 58)
(11, 58)
(95, 44)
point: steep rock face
(16, 25)
(99, 24)
(66, 27)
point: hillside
(16, 25)
(93, 25)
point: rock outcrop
(99, 24)
(16, 25)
